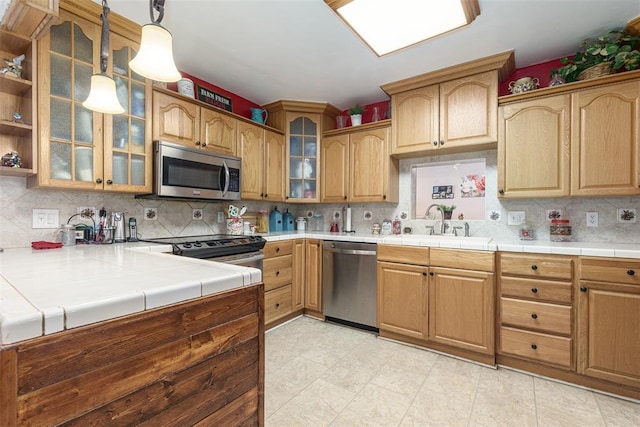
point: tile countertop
(612, 250)
(47, 291)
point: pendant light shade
(155, 58)
(102, 97)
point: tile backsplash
(178, 218)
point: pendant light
(155, 58)
(102, 95)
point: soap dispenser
(287, 221)
(275, 220)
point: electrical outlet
(515, 217)
(46, 218)
(220, 216)
(592, 219)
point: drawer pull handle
(534, 347)
(534, 267)
(534, 290)
(534, 316)
(278, 249)
(277, 305)
(277, 273)
(583, 289)
(631, 272)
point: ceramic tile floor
(322, 374)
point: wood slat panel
(8, 387)
(83, 349)
(180, 394)
(235, 413)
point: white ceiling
(266, 50)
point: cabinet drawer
(272, 249)
(536, 346)
(544, 290)
(404, 254)
(536, 265)
(277, 303)
(610, 270)
(462, 259)
(277, 272)
(536, 315)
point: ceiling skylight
(390, 25)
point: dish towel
(41, 244)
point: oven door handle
(227, 177)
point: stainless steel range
(238, 250)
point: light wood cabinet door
(251, 150)
(274, 167)
(175, 120)
(605, 140)
(313, 275)
(608, 332)
(368, 170)
(217, 132)
(298, 277)
(461, 309)
(403, 299)
(334, 171)
(415, 120)
(468, 110)
(534, 148)
(303, 162)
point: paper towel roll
(347, 226)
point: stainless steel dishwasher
(349, 283)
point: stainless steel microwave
(191, 173)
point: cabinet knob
(631, 272)
(534, 290)
(424, 273)
(501, 191)
(384, 197)
(197, 142)
(435, 143)
(266, 195)
(534, 267)
(583, 289)
(277, 249)
(277, 305)
(109, 182)
(286, 197)
(431, 273)
(534, 316)
(204, 144)
(534, 347)
(277, 273)
(345, 197)
(442, 143)
(99, 181)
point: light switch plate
(515, 217)
(46, 218)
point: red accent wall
(241, 106)
(540, 71)
(383, 108)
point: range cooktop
(211, 245)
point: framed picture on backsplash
(462, 181)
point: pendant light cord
(159, 6)
(104, 40)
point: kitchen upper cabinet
(534, 148)
(182, 121)
(356, 166)
(609, 320)
(79, 148)
(451, 110)
(605, 140)
(18, 94)
(263, 156)
(303, 124)
(29, 18)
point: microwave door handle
(227, 177)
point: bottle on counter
(560, 230)
(262, 222)
(397, 226)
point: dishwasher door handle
(350, 251)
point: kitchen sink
(447, 240)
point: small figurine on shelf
(12, 160)
(13, 67)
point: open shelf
(13, 42)
(7, 171)
(13, 85)
(12, 128)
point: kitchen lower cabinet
(609, 320)
(298, 276)
(536, 308)
(313, 277)
(282, 280)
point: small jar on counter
(560, 230)
(527, 232)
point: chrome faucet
(444, 226)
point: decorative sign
(442, 192)
(215, 99)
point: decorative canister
(235, 226)
(560, 230)
(375, 229)
(387, 227)
(527, 232)
(397, 226)
(185, 87)
(262, 222)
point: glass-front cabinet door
(302, 146)
(79, 148)
(127, 158)
(70, 136)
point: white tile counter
(47, 291)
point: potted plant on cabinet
(356, 114)
(601, 55)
